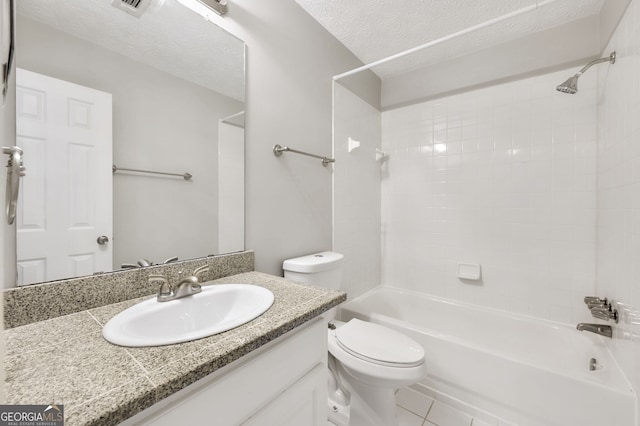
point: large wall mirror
(98, 87)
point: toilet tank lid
(312, 263)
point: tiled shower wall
(504, 177)
(618, 250)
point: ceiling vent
(132, 7)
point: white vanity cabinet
(282, 383)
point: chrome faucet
(186, 286)
(602, 330)
(144, 262)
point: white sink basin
(216, 309)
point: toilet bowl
(371, 363)
(367, 362)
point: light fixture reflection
(206, 8)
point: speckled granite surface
(39, 302)
(65, 359)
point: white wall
(230, 188)
(291, 62)
(618, 250)
(504, 177)
(564, 46)
(160, 122)
(536, 54)
(356, 186)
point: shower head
(571, 85)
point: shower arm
(611, 58)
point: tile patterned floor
(416, 409)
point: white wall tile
(618, 186)
(511, 184)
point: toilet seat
(379, 345)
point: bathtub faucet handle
(592, 302)
(605, 313)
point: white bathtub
(522, 369)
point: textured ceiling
(375, 29)
(167, 36)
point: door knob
(103, 239)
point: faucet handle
(201, 270)
(129, 266)
(593, 305)
(604, 313)
(593, 300)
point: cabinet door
(302, 404)
(253, 384)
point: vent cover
(132, 7)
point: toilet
(367, 362)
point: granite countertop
(65, 360)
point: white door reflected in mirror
(65, 131)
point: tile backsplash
(25, 305)
(505, 177)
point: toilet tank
(321, 269)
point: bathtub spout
(602, 330)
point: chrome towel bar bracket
(278, 150)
